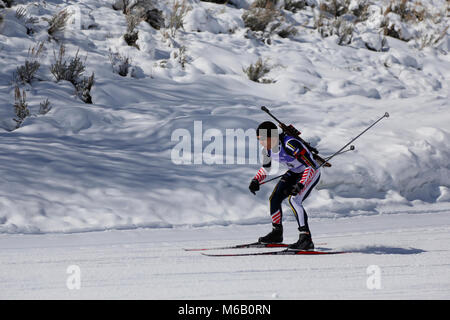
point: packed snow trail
(411, 252)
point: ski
(244, 246)
(270, 253)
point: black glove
(254, 186)
(297, 188)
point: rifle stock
(293, 132)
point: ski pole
(385, 115)
(263, 108)
(290, 130)
(340, 151)
(264, 182)
(350, 149)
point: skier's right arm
(261, 174)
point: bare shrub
(335, 8)
(121, 5)
(143, 4)
(176, 17)
(142, 10)
(181, 56)
(257, 19)
(429, 40)
(286, 32)
(132, 35)
(256, 71)
(127, 6)
(21, 12)
(391, 30)
(27, 72)
(264, 4)
(84, 87)
(338, 17)
(8, 3)
(265, 19)
(402, 12)
(361, 11)
(339, 27)
(57, 23)
(338, 8)
(154, 17)
(344, 30)
(319, 19)
(20, 106)
(407, 11)
(28, 22)
(72, 70)
(219, 1)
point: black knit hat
(266, 129)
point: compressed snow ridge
(108, 165)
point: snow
(92, 172)
(411, 252)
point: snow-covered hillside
(109, 164)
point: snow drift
(104, 165)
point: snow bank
(108, 165)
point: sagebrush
(44, 107)
(176, 17)
(257, 19)
(8, 3)
(257, 71)
(29, 22)
(132, 35)
(57, 23)
(294, 5)
(120, 64)
(72, 70)
(20, 106)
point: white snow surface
(108, 165)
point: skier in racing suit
(296, 184)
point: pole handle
(385, 115)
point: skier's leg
(276, 235)
(275, 200)
(280, 192)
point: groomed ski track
(411, 252)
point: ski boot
(304, 241)
(274, 236)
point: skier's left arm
(297, 150)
